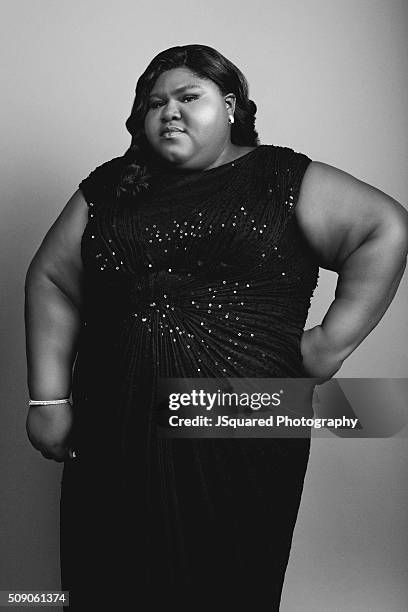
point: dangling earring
(231, 119)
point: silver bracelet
(46, 402)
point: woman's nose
(170, 110)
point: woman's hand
(320, 359)
(49, 430)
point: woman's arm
(53, 299)
(362, 234)
(52, 327)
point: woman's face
(196, 106)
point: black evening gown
(205, 275)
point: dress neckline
(187, 185)
(231, 163)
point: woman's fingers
(47, 455)
(59, 455)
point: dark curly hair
(205, 62)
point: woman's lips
(170, 134)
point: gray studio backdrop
(330, 80)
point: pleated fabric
(206, 274)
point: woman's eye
(157, 103)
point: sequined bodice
(208, 271)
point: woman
(195, 254)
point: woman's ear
(230, 101)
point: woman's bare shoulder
(337, 211)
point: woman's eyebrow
(179, 89)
